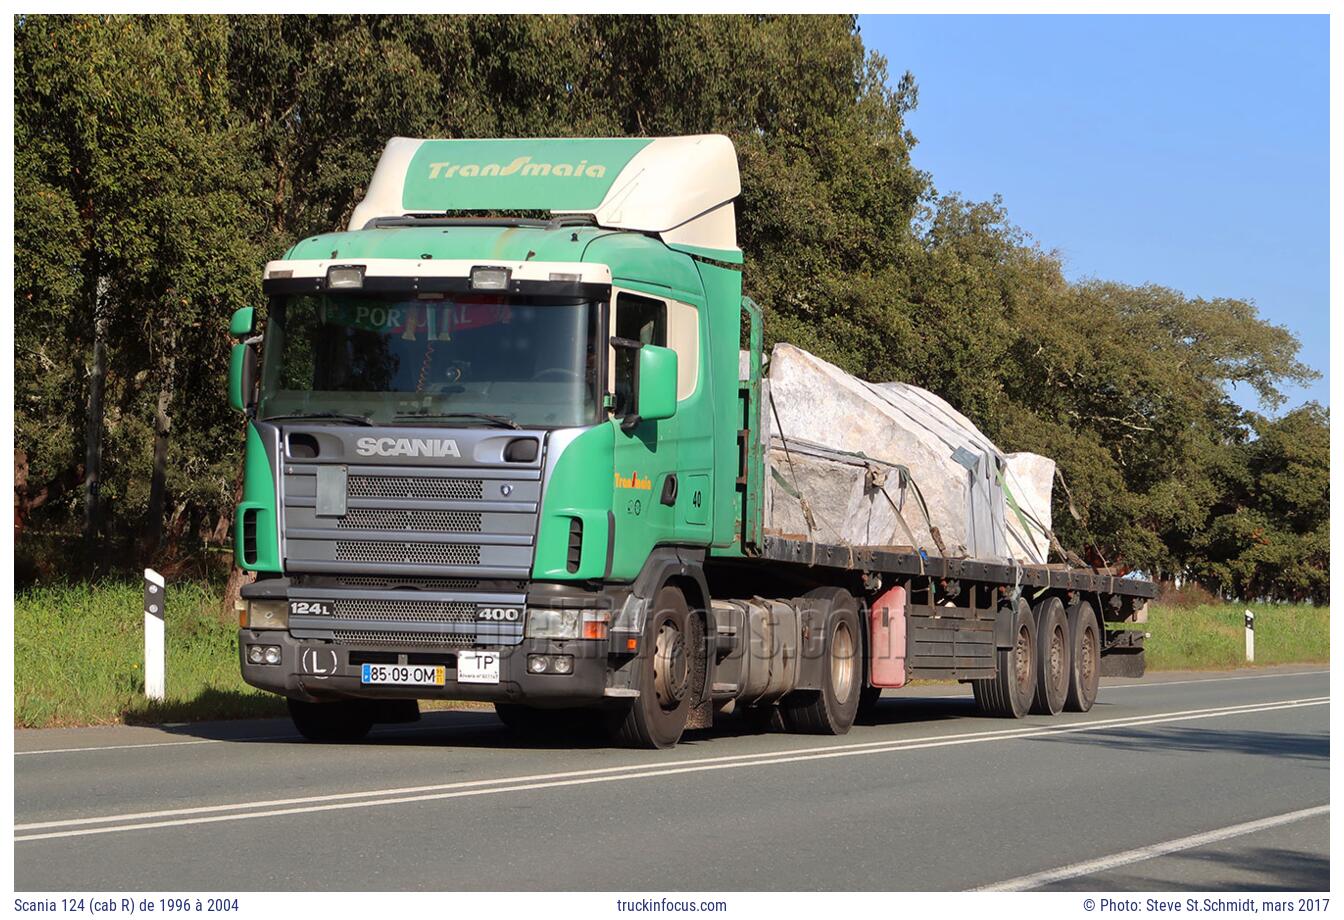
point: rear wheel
(1085, 669)
(831, 710)
(1054, 647)
(1009, 692)
(337, 720)
(671, 676)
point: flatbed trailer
(521, 461)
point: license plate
(475, 667)
(417, 674)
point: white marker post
(1250, 636)
(154, 597)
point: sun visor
(678, 187)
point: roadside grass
(79, 658)
(79, 650)
(1213, 636)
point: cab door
(663, 491)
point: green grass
(79, 658)
(1214, 636)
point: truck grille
(378, 637)
(421, 521)
(408, 611)
(363, 486)
(408, 553)
(427, 584)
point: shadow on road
(1180, 740)
(1243, 869)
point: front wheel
(671, 675)
(334, 721)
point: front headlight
(268, 614)
(551, 623)
(555, 623)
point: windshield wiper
(502, 421)
(339, 416)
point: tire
(1009, 693)
(671, 675)
(831, 710)
(1085, 667)
(1054, 655)
(335, 721)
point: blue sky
(1187, 151)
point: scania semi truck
(520, 459)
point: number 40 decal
(697, 500)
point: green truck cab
(517, 459)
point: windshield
(527, 361)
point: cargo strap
(1029, 521)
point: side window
(643, 319)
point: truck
(508, 439)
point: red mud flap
(886, 639)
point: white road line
(885, 743)
(284, 737)
(1094, 866)
(1207, 680)
(337, 801)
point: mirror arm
(631, 419)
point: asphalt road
(1176, 782)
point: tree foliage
(161, 160)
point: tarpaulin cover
(850, 461)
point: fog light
(254, 654)
(562, 664)
(536, 664)
(272, 654)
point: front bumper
(315, 670)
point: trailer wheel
(1010, 691)
(671, 675)
(334, 721)
(1085, 670)
(1054, 646)
(831, 710)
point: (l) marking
(1128, 857)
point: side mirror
(243, 322)
(242, 359)
(242, 376)
(656, 383)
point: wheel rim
(1088, 666)
(1022, 660)
(671, 672)
(842, 662)
(1058, 676)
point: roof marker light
(489, 279)
(345, 276)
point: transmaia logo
(634, 481)
(406, 447)
(523, 165)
